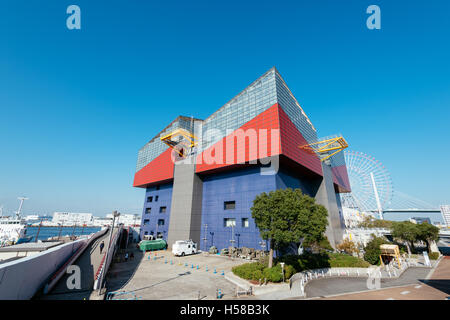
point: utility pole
(206, 233)
(39, 229)
(115, 214)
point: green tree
(427, 232)
(407, 232)
(372, 250)
(286, 215)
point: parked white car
(182, 248)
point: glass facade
(155, 147)
(259, 96)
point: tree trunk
(409, 249)
(412, 246)
(271, 254)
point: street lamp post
(115, 214)
(282, 269)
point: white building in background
(126, 219)
(445, 210)
(364, 235)
(72, 218)
(352, 217)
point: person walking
(102, 245)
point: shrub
(372, 250)
(273, 274)
(433, 255)
(347, 246)
(340, 260)
(289, 271)
(247, 270)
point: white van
(182, 248)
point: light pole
(282, 269)
(205, 239)
(115, 214)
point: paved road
(89, 263)
(331, 286)
(437, 287)
(156, 280)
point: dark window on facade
(146, 221)
(160, 222)
(156, 198)
(229, 205)
(162, 209)
(159, 235)
(148, 210)
(146, 232)
(244, 222)
(149, 199)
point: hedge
(296, 263)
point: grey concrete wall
(186, 206)
(326, 196)
(20, 279)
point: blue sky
(76, 105)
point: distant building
(72, 218)
(445, 211)
(419, 220)
(353, 217)
(126, 219)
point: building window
(162, 209)
(244, 222)
(228, 222)
(159, 235)
(229, 205)
(146, 222)
(160, 222)
(146, 232)
(148, 210)
(149, 199)
(156, 198)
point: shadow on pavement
(122, 271)
(439, 284)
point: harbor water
(47, 232)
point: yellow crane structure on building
(326, 148)
(179, 140)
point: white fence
(299, 280)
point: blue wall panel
(242, 187)
(150, 220)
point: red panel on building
(159, 169)
(257, 139)
(340, 177)
(291, 140)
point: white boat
(13, 230)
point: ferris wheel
(370, 182)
